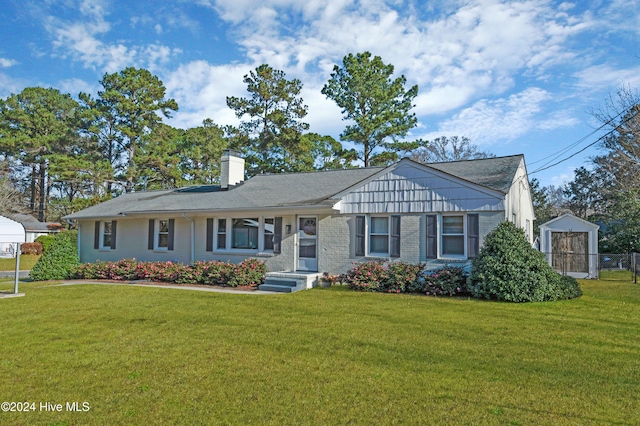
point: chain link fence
(585, 265)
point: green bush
(59, 260)
(366, 276)
(508, 268)
(249, 272)
(45, 240)
(444, 281)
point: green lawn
(26, 262)
(325, 356)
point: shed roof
(11, 231)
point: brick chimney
(231, 169)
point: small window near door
(269, 227)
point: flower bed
(403, 277)
(250, 272)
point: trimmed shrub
(445, 281)
(508, 268)
(249, 272)
(31, 248)
(60, 259)
(400, 277)
(45, 240)
(367, 276)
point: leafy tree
(36, 125)
(325, 153)
(200, 149)
(444, 149)
(621, 230)
(274, 127)
(158, 158)
(377, 105)
(11, 200)
(133, 102)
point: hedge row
(250, 272)
(402, 277)
(508, 268)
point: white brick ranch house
(322, 221)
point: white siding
(411, 189)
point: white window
(221, 240)
(379, 236)
(107, 231)
(453, 235)
(162, 233)
(244, 233)
(269, 227)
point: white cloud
(467, 53)
(7, 63)
(73, 86)
(82, 42)
(201, 90)
(487, 122)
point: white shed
(12, 234)
(571, 246)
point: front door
(307, 243)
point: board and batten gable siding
(411, 188)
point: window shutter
(209, 234)
(114, 223)
(96, 236)
(394, 250)
(277, 235)
(152, 229)
(172, 226)
(360, 235)
(432, 236)
(473, 235)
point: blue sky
(513, 76)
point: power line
(548, 166)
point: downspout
(193, 237)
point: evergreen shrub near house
(508, 268)
(45, 240)
(59, 260)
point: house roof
(272, 191)
(496, 173)
(31, 224)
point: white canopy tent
(13, 232)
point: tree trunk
(43, 190)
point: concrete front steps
(288, 282)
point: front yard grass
(324, 356)
(26, 262)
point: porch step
(288, 282)
(279, 285)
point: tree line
(60, 154)
(606, 191)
